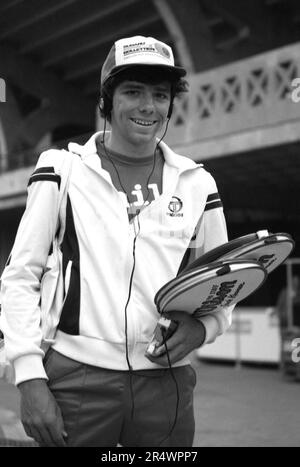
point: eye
(132, 92)
(162, 96)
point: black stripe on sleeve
(213, 197)
(44, 170)
(49, 177)
(213, 205)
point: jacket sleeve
(20, 282)
(211, 231)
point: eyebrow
(131, 84)
(138, 85)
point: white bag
(52, 284)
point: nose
(146, 103)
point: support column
(189, 29)
(10, 120)
(3, 149)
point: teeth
(142, 122)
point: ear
(101, 104)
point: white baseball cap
(139, 50)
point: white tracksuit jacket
(98, 249)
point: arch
(177, 34)
(189, 29)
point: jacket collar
(175, 160)
(86, 149)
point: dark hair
(143, 74)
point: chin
(143, 138)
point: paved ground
(246, 407)
(234, 407)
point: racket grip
(164, 329)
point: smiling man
(140, 111)
(136, 213)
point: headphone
(105, 104)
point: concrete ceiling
(67, 40)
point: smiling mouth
(145, 123)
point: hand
(189, 335)
(40, 414)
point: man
(134, 210)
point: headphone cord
(177, 393)
(133, 253)
(134, 241)
(165, 342)
(131, 372)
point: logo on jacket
(175, 206)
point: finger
(177, 339)
(55, 427)
(57, 436)
(175, 354)
(157, 359)
(39, 436)
(162, 361)
(168, 357)
(46, 433)
(173, 345)
(55, 430)
(27, 430)
(33, 431)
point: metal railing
(248, 94)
